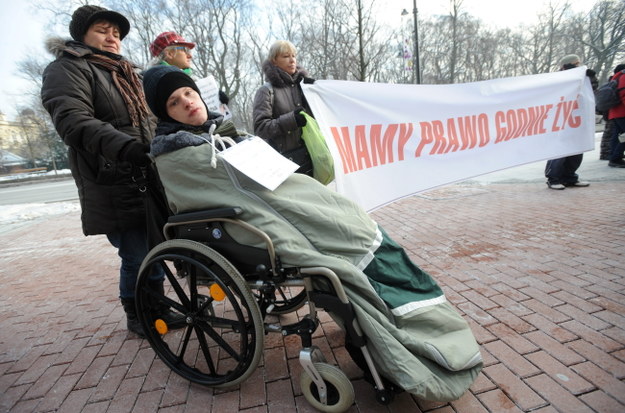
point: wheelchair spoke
(206, 304)
(173, 280)
(205, 350)
(208, 330)
(220, 322)
(182, 346)
(163, 299)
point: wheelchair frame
(223, 304)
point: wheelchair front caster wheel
(340, 392)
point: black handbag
(157, 210)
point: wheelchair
(223, 293)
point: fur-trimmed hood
(279, 78)
(58, 45)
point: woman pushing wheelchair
(417, 340)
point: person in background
(169, 48)
(562, 172)
(279, 102)
(95, 99)
(606, 139)
(616, 116)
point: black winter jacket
(273, 116)
(91, 117)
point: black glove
(309, 80)
(136, 153)
(299, 117)
(223, 98)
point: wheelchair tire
(340, 390)
(222, 339)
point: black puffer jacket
(274, 120)
(91, 117)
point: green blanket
(416, 338)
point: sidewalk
(539, 275)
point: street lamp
(415, 54)
(406, 53)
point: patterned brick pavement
(538, 274)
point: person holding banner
(561, 172)
(279, 103)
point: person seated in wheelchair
(417, 338)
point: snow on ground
(15, 177)
(19, 213)
(11, 214)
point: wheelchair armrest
(207, 214)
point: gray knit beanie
(85, 16)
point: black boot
(161, 310)
(132, 322)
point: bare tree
(322, 34)
(217, 27)
(337, 39)
(343, 39)
(40, 137)
(442, 39)
(31, 134)
(42, 144)
(604, 35)
(146, 17)
(547, 40)
(370, 46)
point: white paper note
(259, 161)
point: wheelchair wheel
(222, 339)
(340, 390)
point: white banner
(390, 141)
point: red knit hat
(168, 39)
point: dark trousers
(132, 247)
(606, 140)
(562, 170)
(617, 148)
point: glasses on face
(183, 48)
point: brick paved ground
(538, 274)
